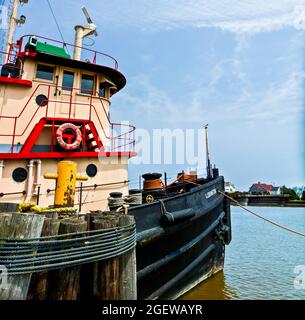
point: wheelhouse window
(87, 84)
(102, 90)
(45, 72)
(68, 81)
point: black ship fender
(171, 218)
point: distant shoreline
(287, 205)
(268, 201)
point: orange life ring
(69, 146)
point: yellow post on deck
(66, 178)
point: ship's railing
(88, 55)
(116, 137)
(12, 54)
(124, 134)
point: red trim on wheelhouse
(16, 81)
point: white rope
(261, 217)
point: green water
(260, 260)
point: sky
(235, 64)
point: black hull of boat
(175, 254)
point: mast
(13, 21)
(81, 32)
(12, 24)
(209, 168)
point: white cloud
(232, 15)
(145, 98)
(280, 103)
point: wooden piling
(106, 272)
(39, 286)
(86, 276)
(51, 215)
(128, 267)
(65, 283)
(21, 226)
(50, 227)
(90, 217)
(5, 220)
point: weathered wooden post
(65, 283)
(5, 221)
(87, 273)
(128, 267)
(106, 272)
(90, 217)
(39, 286)
(50, 227)
(21, 226)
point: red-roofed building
(261, 188)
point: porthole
(42, 100)
(20, 174)
(91, 170)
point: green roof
(50, 49)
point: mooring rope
(261, 217)
(67, 237)
(115, 202)
(45, 254)
(134, 199)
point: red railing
(121, 137)
(13, 53)
(88, 55)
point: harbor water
(262, 261)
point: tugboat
(54, 107)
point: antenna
(82, 32)
(85, 11)
(209, 168)
(89, 20)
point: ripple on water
(261, 259)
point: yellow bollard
(66, 178)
